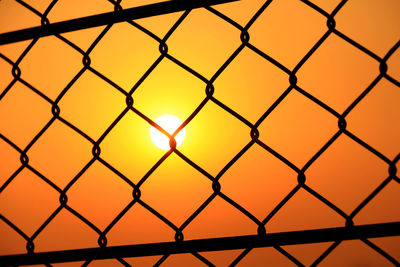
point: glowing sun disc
(170, 124)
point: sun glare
(170, 124)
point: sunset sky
(334, 76)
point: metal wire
(208, 97)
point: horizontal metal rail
(213, 244)
(106, 18)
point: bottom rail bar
(212, 244)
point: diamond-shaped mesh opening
(221, 258)
(125, 141)
(378, 209)
(91, 99)
(382, 129)
(66, 156)
(13, 51)
(69, 10)
(306, 129)
(64, 231)
(287, 38)
(50, 65)
(218, 121)
(42, 201)
(347, 249)
(255, 173)
(143, 261)
(99, 191)
(346, 183)
(310, 213)
(18, 119)
(270, 255)
(175, 184)
(342, 79)
(166, 89)
(196, 42)
(364, 30)
(307, 253)
(139, 226)
(117, 54)
(214, 221)
(24, 18)
(182, 259)
(250, 94)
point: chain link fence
(254, 140)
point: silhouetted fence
(262, 238)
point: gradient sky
(336, 74)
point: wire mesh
(254, 140)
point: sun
(170, 124)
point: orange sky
(336, 74)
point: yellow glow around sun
(170, 124)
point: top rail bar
(212, 244)
(106, 18)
